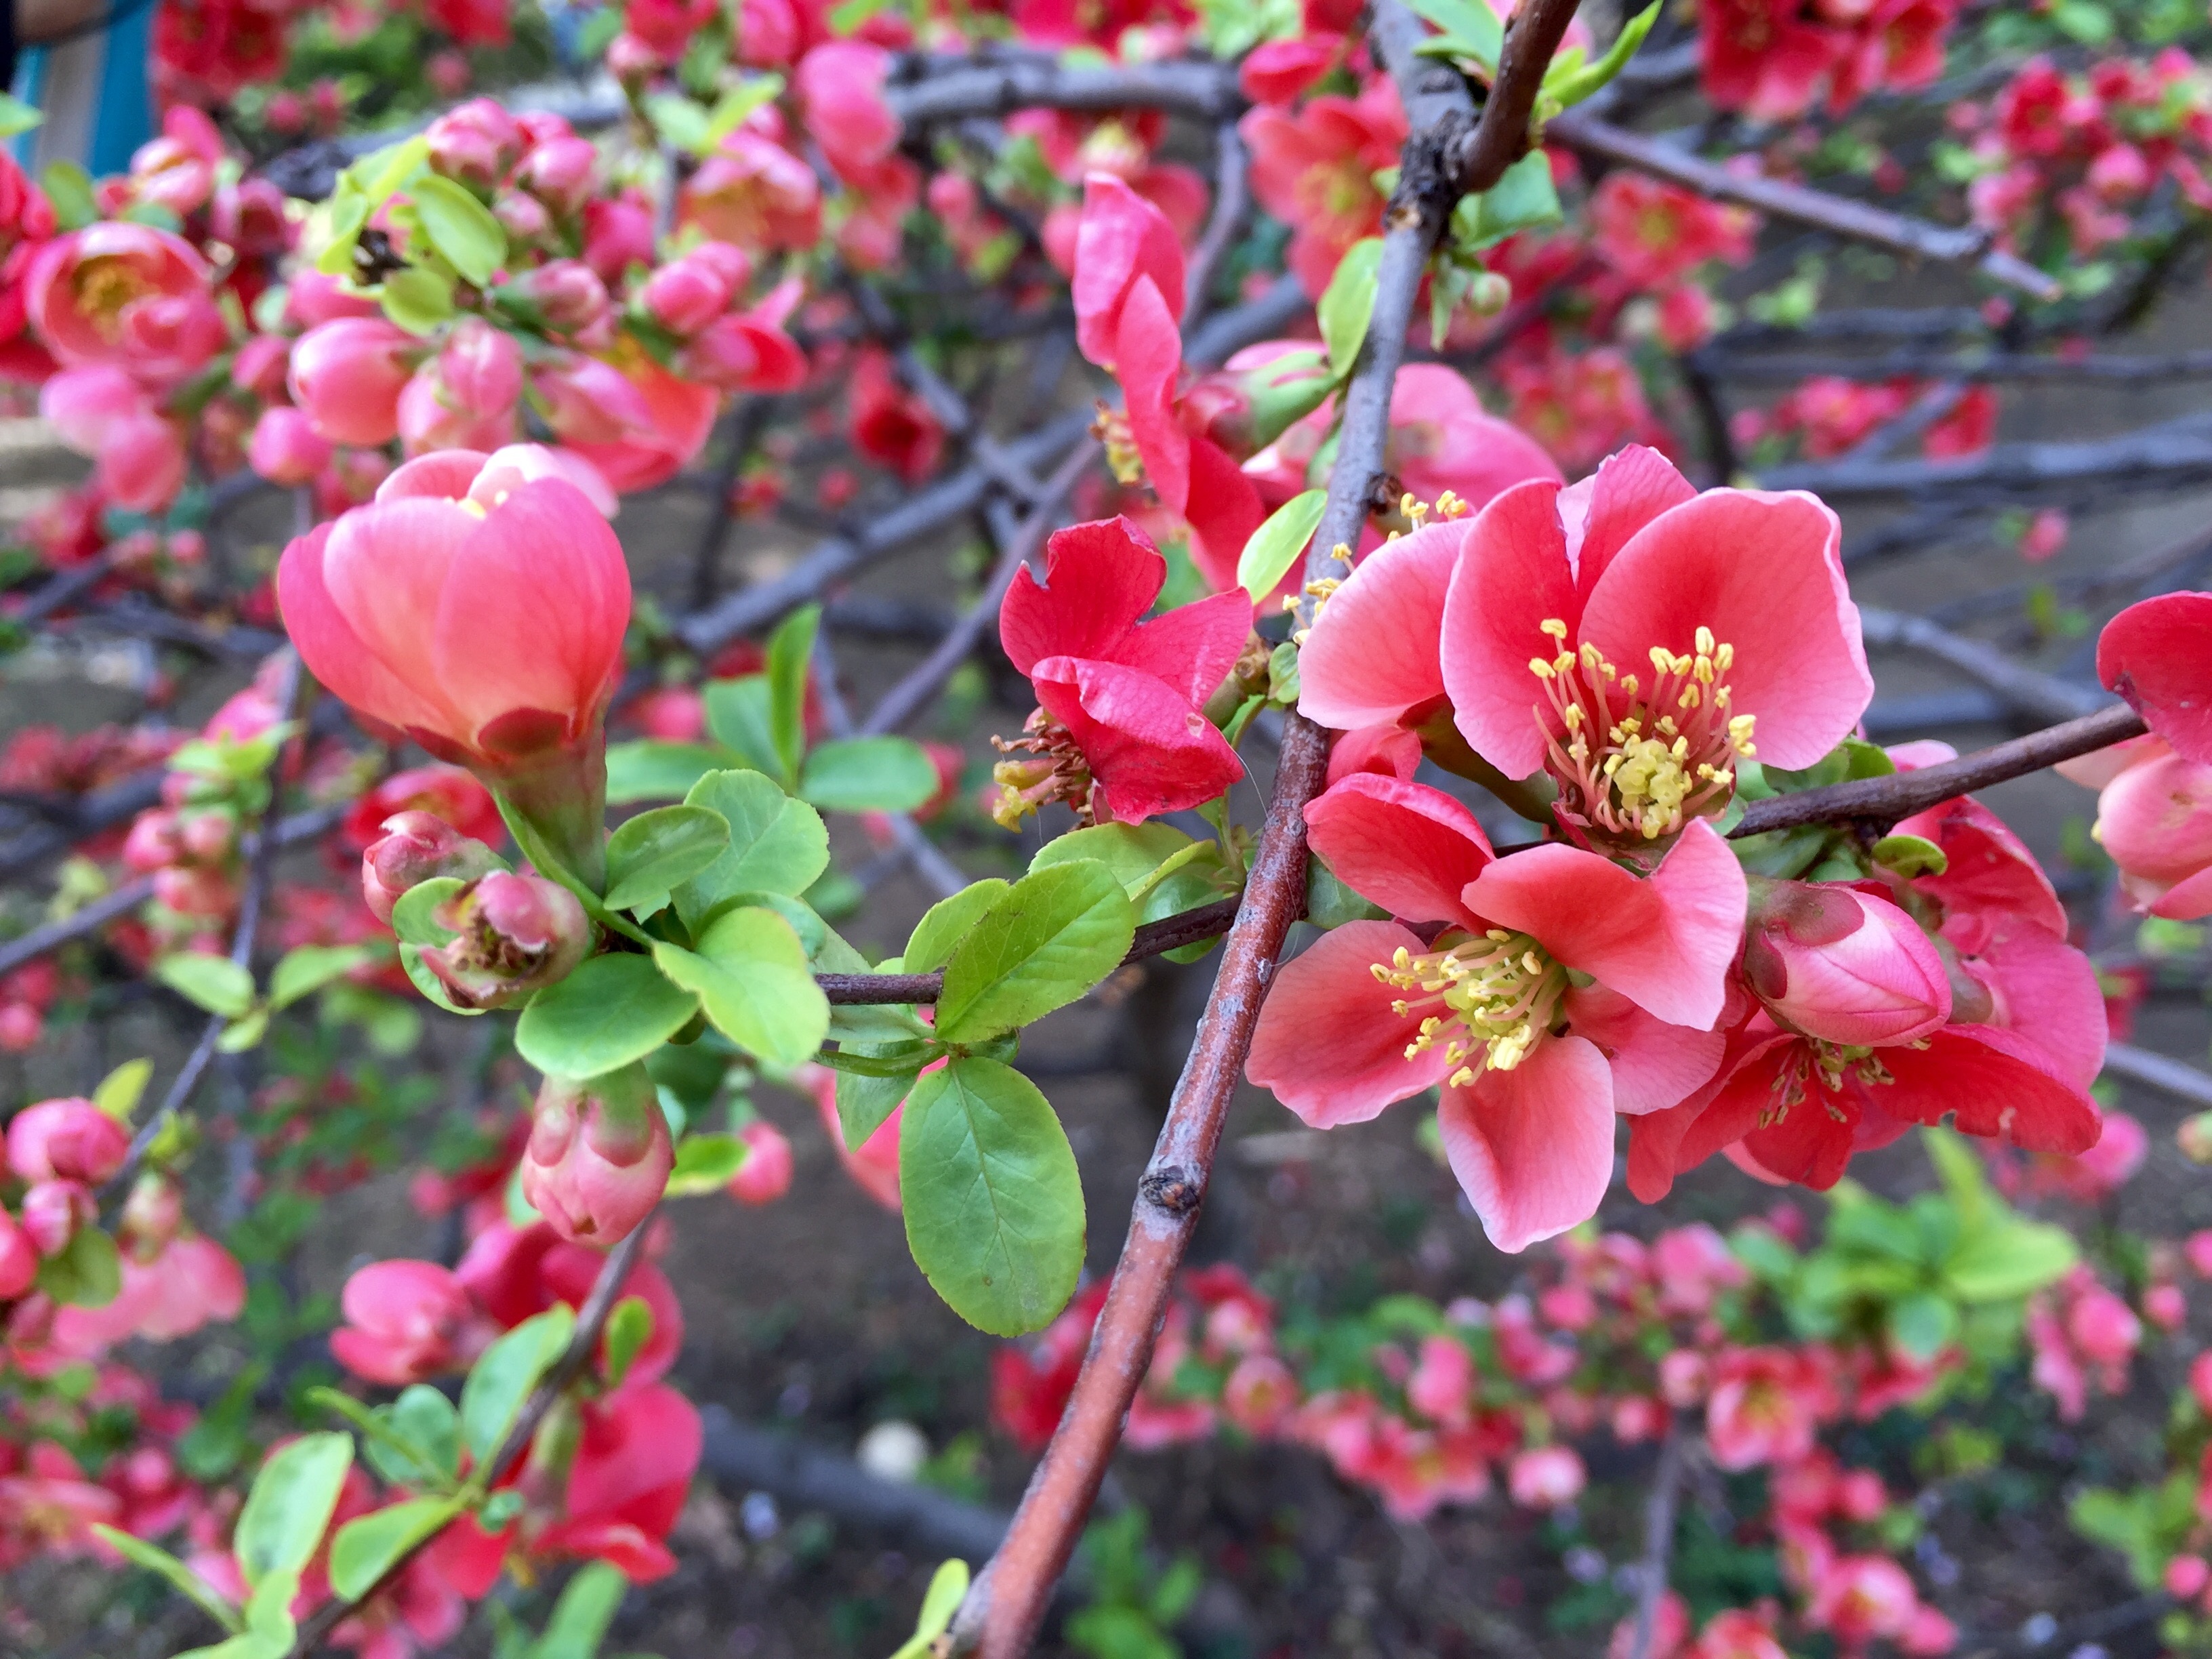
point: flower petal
(1372, 656)
(1149, 750)
(1667, 943)
(1192, 647)
(1099, 578)
(1998, 1083)
(1654, 1064)
(1119, 238)
(1533, 1147)
(1412, 850)
(1328, 1044)
(1628, 492)
(1512, 577)
(1765, 574)
(2158, 655)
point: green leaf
(1575, 85)
(993, 1201)
(122, 1089)
(704, 1163)
(2009, 1260)
(948, 1588)
(1523, 198)
(87, 1273)
(777, 845)
(418, 299)
(1923, 1325)
(865, 1101)
(416, 1446)
(656, 771)
(1046, 940)
(868, 774)
(1910, 856)
(369, 1546)
(1136, 853)
(649, 854)
(460, 227)
(68, 187)
(677, 121)
(242, 1035)
(1348, 303)
(270, 1632)
(1470, 24)
(305, 968)
(215, 983)
(182, 1578)
(738, 103)
(293, 1499)
(738, 718)
(790, 650)
(943, 925)
(504, 1377)
(749, 973)
(587, 1606)
(613, 1010)
(413, 916)
(1275, 545)
(629, 1327)
(17, 116)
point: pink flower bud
(1683, 1377)
(683, 297)
(2186, 1576)
(516, 935)
(286, 447)
(347, 375)
(765, 1176)
(207, 836)
(2104, 1327)
(2194, 1137)
(69, 1140)
(53, 1210)
(312, 299)
(523, 217)
(631, 61)
(590, 402)
(481, 367)
(2166, 1307)
(258, 368)
(405, 1322)
(19, 1259)
(598, 1156)
(1860, 1495)
(193, 891)
(1843, 966)
(153, 843)
(560, 174)
(1546, 1477)
(727, 261)
(1443, 1383)
(566, 294)
(417, 847)
(617, 234)
(250, 217)
(1928, 1633)
(151, 1215)
(476, 143)
(740, 353)
(20, 1027)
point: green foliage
(1347, 304)
(503, 1375)
(369, 1546)
(867, 775)
(647, 855)
(614, 1009)
(948, 1587)
(2149, 1525)
(752, 980)
(87, 1273)
(1135, 1604)
(777, 845)
(580, 1619)
(993, 1201)
(1276, 544)
(290, 1505)
(1043, 943)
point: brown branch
(953, 90)
(1153, 939)
(1881, 802)
(1744, 368)
(2031, 691)
(1658, 1540)
(1859, 221)
(1003, 1611)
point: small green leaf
(410, 1443)
(1472, 25)
(413, 916)
(751, 974)
(242, 1035)
(677, 121)
(587, 1606)
(370, 1546)
(738, 718)
(460, 227)
(1276, 544)
(629, 1327)
(140, 1554)
(418, 300)
(1923, 1325)
(215, 983)
(122, 1089)
(1046, 941)
(2009, 1260)
(87, 1273)
(270, 1632)
(504, 1375)
(68, 187)
(790, 652)
(1348, 303)
(993, 1201)
(17, 116)
(613, 1010)
(650, 853)
(293, 1499)
(305, 968)
(864, 1100)
(738, 103)
(946, 922)
(948, 1588)
(1571, 87)
(1135, 853)
(777, 845)
(868, 774)
(704, 1163)
(1523, 198)
(1911, 855)
(657, 771)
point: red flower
(1315, 171)
(1761, 57)
(2158, 655)
(1118, 730)
(893, 426)
(1651, 232)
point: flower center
(1636, 761)
(1050, 767)
(104, 287)
(1495, 995)
(1833, 1061)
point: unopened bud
(416, 848)
(598, 1156)
(69, 1139)
(1843, 966)
(475, 144)
(53, 1210)
(559, 172)
(516, 934)
(765, 1176)
(19, 1259)
(151, 1215)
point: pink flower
(406, 1322)
(1121, 240)
(1315, 171)
(1277, 72)
(138, 454)
(1670, 1630)
(1442, 442)
(676, 417)
(1842, 966)
(1442, 1387)
(1546, 1476)
(386, 606)
(840, 85)
(893, 426)
(1259, 1394)
(347, 374)
(286, 447)
(1861, 1597)
(753, 192)
(2154, 820)
(1762, 57)
(19, 1259)
(2158, 655)
(466, 397)
(1765, 1406)
(1649, 233)
(116, 292)
(476, 143)
(514, 935)
(1740, 592)
(1118, 729)
(1534, 1064)
(68, 1140)
(765, 1176)
(598, 1156)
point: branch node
(1176, 1190)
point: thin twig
(2019, 367)
(1881, 802)
(2045, 697)
(1658, 1540)
(2158, 1072)
(1232, 200)
(1839, 214)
